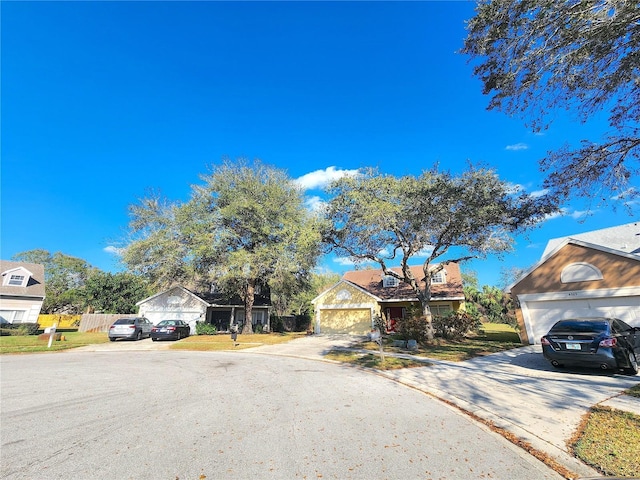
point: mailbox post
(377, 337)
(52, 334)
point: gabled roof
(35, 285)
(623, 238)
(350, 284)
(212, 299)
(371, 282)
(572, 241)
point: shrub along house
(351, 305)
(21, 291)
(213, 308)
(586, 275)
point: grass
(33, 344)
(609, 440)
(371, 360)
(492, 338)
(224, 342)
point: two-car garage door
(542, 314)
(354, 321)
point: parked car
(170, 330)
(607, 343)
(134, 328)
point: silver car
(133, 328)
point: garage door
(543, 314)
(351, 321)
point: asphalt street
(193, 415)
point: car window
(580, 326)
(125, 321)
(620, 327)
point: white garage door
(543, 314)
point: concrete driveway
(516, 390)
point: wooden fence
(97, 322)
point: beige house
(21, 291)
(350, 306)
(588, 275)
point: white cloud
(517, 146)
(315, 203)
(565, 212)
(539, 193)
(321, 178)
(113, 250)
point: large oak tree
(245, 228)
(387, 219)
(537, 56)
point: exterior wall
(174, 304)
(617, 272)
(345, 309)
(545, 299)
(356, 321)
(31, 308)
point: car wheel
(139, 335)
(154, 339)
(112, 339)
(557, 364)
(633, 364)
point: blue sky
(102, 101)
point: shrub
(413, 327)
(20, 329)
(205, 329)
(277, 325)
(259, 328)
(303, 323)
(455, 325)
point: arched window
(580, 272)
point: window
(389, 281)
(440, 310)
(438, 277)
(580, 272)
(17, 280)
(12, 316)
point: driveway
(516, 390)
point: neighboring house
(587, 275)
(351, 305)
(21, 291)
(214, 308)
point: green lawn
(224, 342)
(492, 338)
(33, 344)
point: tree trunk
(247, 329)
(428, 318)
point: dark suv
(607, 343)
(134, 328)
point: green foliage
(65, 277)
(490, 304)
(303, 323)
(413, 327)
(205, 329)
(277, 325)
(114, 293)
(381, 218)
(537, 57)
(19, 329)
(455, 325)
(246, 229)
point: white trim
(169, 290)
(344, 306)
(346, 282)
(599, 293)
(438, 299)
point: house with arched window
(595, 274)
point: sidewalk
(516, 390)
